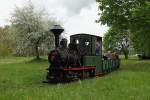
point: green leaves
(6, 43)
(131, 15)
(139, 26)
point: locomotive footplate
(81, 72)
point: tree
(30, 27)
(5, 41)
(117, 12)
(140, 24)
(115, 40)
(129, 15)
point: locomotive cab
(87, 44)
(91, 49)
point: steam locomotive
(81, 59)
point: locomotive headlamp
(56, 30)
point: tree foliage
(115, 40)
(129, 15)
(6, 43)
(30, 27)
(118, 12)
(140, 28)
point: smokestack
(56, 30)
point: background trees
(131, 16)
(6, 43)
(117, 41)
(140, 28)
(30, 27)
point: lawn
(21, 79)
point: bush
(5, 50)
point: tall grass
(21, 79)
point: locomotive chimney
(56, 30)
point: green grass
(21, 79)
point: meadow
(21, 79)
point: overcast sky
(77, 16)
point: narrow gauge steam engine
(81, 59)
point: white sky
(77, 16)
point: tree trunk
(126, 53)
(37, 52)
